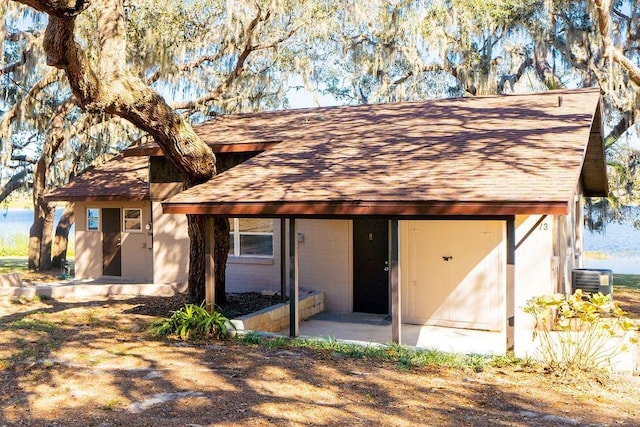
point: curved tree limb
(603, 10)
(16, 182)
(113, 89)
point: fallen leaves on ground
(92, 363)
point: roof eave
(98, 198)
(593, 174)
(239, 147)
(365, 208)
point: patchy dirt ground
(92, 363)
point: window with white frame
(93, 219)
(132, 220)
(251, 237)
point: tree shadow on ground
(93, 364)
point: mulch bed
(237, 304)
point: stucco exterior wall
(136, 261)
(170, 247)
(325, 261)
(255, 274)
(536, 271)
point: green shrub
(579, 332)
(193, 321)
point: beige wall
(325, 261)
(137, 257)
(536, 271)
(170, 247)
(255, 274)
(171, 252)
(88, 246)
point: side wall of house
(325, 261)
(88, 246)
(255, 274)
(136, 258)
(170, 247)
(171, 253)
(536, 270)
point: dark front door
(370, 266)
(111, 241)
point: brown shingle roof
(485, 155)
(121, 178)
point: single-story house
(445, 212)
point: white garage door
(454, 273)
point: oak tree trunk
(35, 237)
(197, 282)
(222, 241)
(107, 86)
(47, 238)
(61, 239)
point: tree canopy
(213, 57)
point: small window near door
(251, 237)
(132, 220)
(93, 219)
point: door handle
(447, 258)
(386, 269)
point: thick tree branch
(237, 70)
(116, 91)
(603, 10)
(23, 104)
(13, 67)
(59, 8)
(16, 182)
(514, 78)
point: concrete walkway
(370, 328)
(91, 288)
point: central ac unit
(592, 280)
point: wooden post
(394, 280)
(510, 297)
(210, 276)
(293, 279)
(283, 259)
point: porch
(374, 328)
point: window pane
(256, 225)
(93, 219)
(132, 225)
(256, 245)
(132, 219)
(231, 245)
(132, 213)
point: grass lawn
(11, 264)
(627, 281)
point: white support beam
(294, 320)
(510, 296)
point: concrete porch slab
(367, 329)
(91, 288)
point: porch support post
(293, 279)
(394, 280)
(510, 297)
(209, 265)
(283, 259)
